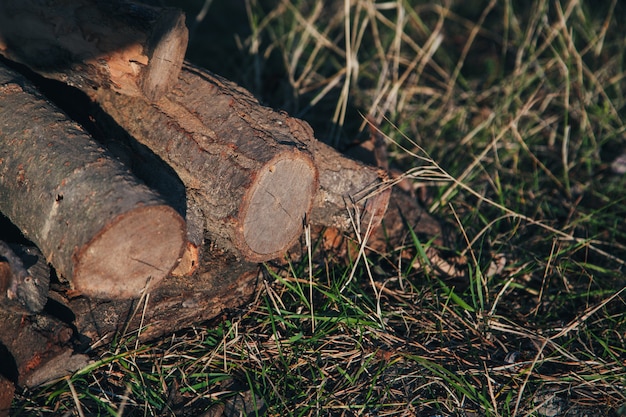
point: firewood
(221, 283)
(249, 173)
(38, 348)
(131, 48)
(249, 168)
(204, 106)
(105, 232)
(352, 195)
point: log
(249, 173)
(39, 348)
(351, 194)
(35, 349)
(131, 48)
(105, 232)
(345, 185)
(221, 283)
(220, 106)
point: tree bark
(352, 195)
(101, 229)
(250, 174)
(38, 348)
(217, 107)
(221, 283)
(131, 48)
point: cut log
(204, 106)
(351, 195)
(104, 231)
(38, 348)
(251, 169)
(250, 174)
(129, 47)
(222, 283)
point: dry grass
(518, 108)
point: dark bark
(220, 284)
(100, 228)
(35, 349)
(129, 47)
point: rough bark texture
(38, 348)
(221, 283)
(101, 229)
(131, 48)
(249, 173)
(347, 188)
(205, 106)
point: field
(506, 118)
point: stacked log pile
(169, 219)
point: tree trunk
(101, 229)
(251, 172)
(129, 47)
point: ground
(506, 119)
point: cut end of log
(167, 45)
(277, 206)
(139, 249)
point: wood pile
(155, 211)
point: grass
(518, 109)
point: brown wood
(131, 48)
(352, 195)
(221, 283)
(41, 348)
(104, 231)
(205, 105)
(248, 172)
(38, 348)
